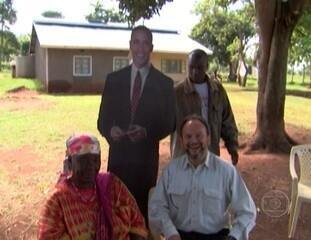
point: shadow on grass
(291, 92)
(77, 94)
(233, 87)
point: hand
(136, 133)
(234, 157)
(116, 133)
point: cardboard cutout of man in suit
(133, 130)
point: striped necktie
(135, 95)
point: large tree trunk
(1, 45)
(242, 73)
(293, 72)
(276, 20)
(233, 66)
(303, 74)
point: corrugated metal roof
(60, 34)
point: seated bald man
(86, 204)
(195, 192)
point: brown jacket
(220, 116)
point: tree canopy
(24, 42)
(7, 17)
(100, 14)
(130, 11)
(10, 45)
(226, 29)
(134, 10)
(300, 46)
(52, 14)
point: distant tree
(244, 24)
(24, 42)
(52, 14)
(226, 30)
(7, 17)
(212, 31)
(10, 45)
(100, 14)
(300, 45)
(293, 58)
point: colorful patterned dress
(111, 214)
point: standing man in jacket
(137, 111)
(201, 95)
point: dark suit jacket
(137, 163)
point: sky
(176, 15)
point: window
(173, 66)
(82, 65)
(120, 62)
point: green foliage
(224, 28)
(134, 10)
(7, 16)
(300, 48)
(7, 13)
(52, 14)
(100, 14)
(24, 42)
(10, 45)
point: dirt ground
(266, 175)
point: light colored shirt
(202, 90)
(144, 71)
(198, 199)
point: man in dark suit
(137, 110)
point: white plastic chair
(301, 188)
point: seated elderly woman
(87, 204)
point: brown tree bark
(1, 45)
(276, 20)
(242, 78)
(233, 66)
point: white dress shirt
(198, 199)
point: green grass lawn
(49, 124)
(46, 127)
(8, 83)
(244, 103)
(296, 84)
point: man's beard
(197, 157)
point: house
(76, 57)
